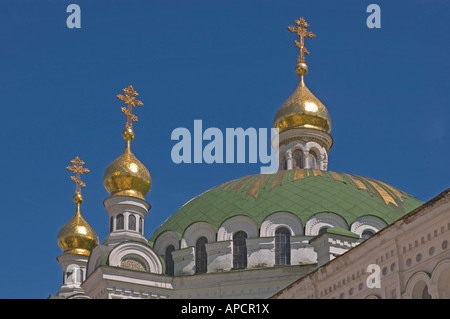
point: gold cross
(302, 33)
(130, 100)
(78, 169)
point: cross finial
(302, 25)
(78, 169)
(130, 100)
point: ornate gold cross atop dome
(126, 175)
(130, 100)
(78, 169)
(302, 25)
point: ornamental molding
(367, 222)
(278, 220)
(235, 224)
(197, 230)
(135, 250)
(164, 240)
(416, 284)
(305, 140)
(316, 222)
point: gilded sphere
(128, 134)
(301, 69)
(77, 198)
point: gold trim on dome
(255, 187)
(278, 179)
(397, 192)
(299, 174)
(386, 197)
(336, 176)
(359, 184)
(317, 172)
(241, 183)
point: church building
(301, 232)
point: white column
(306, 161)
(289, 159)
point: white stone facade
(126, 266)
(260, 241)
(132, 269)
(412, 256)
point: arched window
(169, 261)
(201, 259)
(367, 233)
(240, 250)
(73, 275)
(119, 221)
(323, 230)
(283, 163)
(297, 159)
(282, 246)
(313, 163)
(420, 291)
(111, 224)
(141, 223)
(132, 222)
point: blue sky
(228, 63)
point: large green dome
(303, 192)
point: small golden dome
(77, 237)
(302, 110)
(126, 175)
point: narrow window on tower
(297, 158)
(132, 222)
(313, 160)
(283, 163)
(119, 222)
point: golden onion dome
(126, 175)
(302, 109)
(77, 236)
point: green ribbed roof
(302, 192)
